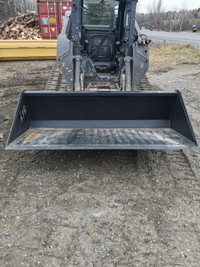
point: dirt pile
(22, 27)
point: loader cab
(103, 34)
(100, 32)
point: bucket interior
(84, 120)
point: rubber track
(194, 156)
(182, 166)
(56, 82)
(186, 162)
(144, 84)
(182, 159)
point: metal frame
(75, 62)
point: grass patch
(166, 57)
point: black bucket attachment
(97, 120)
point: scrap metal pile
(22, 27)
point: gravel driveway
(98, 208)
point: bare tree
(155, 11)
(25, 5)
(138, 7)
(8, 7)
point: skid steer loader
(102, 56)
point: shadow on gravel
(64, 160)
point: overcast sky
(171, 4)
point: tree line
(9, 8)
(156, 17)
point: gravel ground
(98, 208)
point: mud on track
(97, 208)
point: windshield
(100, 13)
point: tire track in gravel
(187, 81)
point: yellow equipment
(27, 49)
